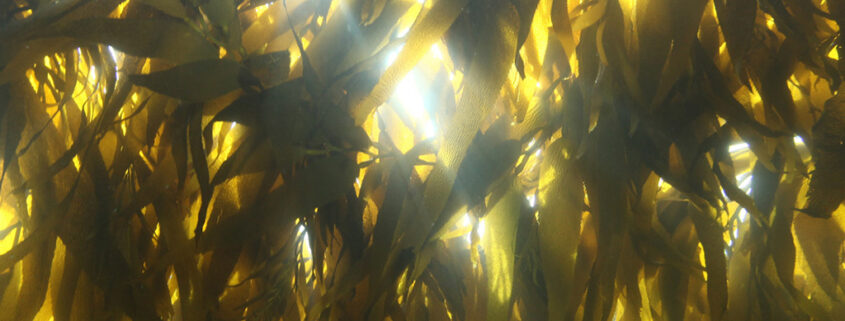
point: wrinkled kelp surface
(422, 160)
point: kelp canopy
(422, 160)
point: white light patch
(305, 247)
(403, 32)
(92, 75)
(746, 184)
(409, 96)
(113, 53)
(738, 147)
(532, 200)
(798, 140)
(743, 215)
(465, 220)
(391, 56)
(741, 177)
(435, 50)
(114, 56)
(531, 143)
(481, 228)
(429, 130)
(464, 223)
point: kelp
(421, 160)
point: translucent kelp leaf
(499, 241)
(486, 75)
(559, 220)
